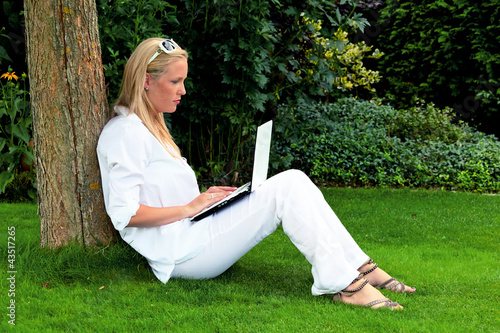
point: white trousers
(291, 199)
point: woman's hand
(155, 216)
(213, 195)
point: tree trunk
(69, 110)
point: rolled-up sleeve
(124, 153)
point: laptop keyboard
(239, 190)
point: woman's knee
(296, 175)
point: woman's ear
(147, 81)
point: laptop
(259, 173)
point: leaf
(442, 4)
(21, 133)
(4, 55)
(282, 68)
(339, 16)
(261, 80)
(5, 178)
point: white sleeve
(123, 157)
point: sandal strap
(388, 303)
(337, 297)
(392, 284)
(374, 267)
(350, 292)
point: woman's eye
(175, 82)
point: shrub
(447, 52)
(349, 143)
(426, 122)
(344, 58)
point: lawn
(444, 243)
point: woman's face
(165, 92)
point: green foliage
(15, 137)
(344, 58)
(426, 122)
(353, 142)
(248, 57)
(444, 51)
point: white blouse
(135, 170)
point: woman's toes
(409, 289)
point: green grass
(446, 244)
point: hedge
(355, 143)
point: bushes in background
(447, 52)
(246, 58)
(365, 143)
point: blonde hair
(134, 97)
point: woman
(151, 192)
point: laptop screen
(261, 157)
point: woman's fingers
(218, 193)
(211, 196)
(202, 201)
(216, 189)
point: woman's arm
(147, 216)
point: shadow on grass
(73, 264)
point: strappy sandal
(349, 292)
(392, 284)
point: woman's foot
(360, 292)
(380, 279)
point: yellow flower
(9, 76)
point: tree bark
(69, 110)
